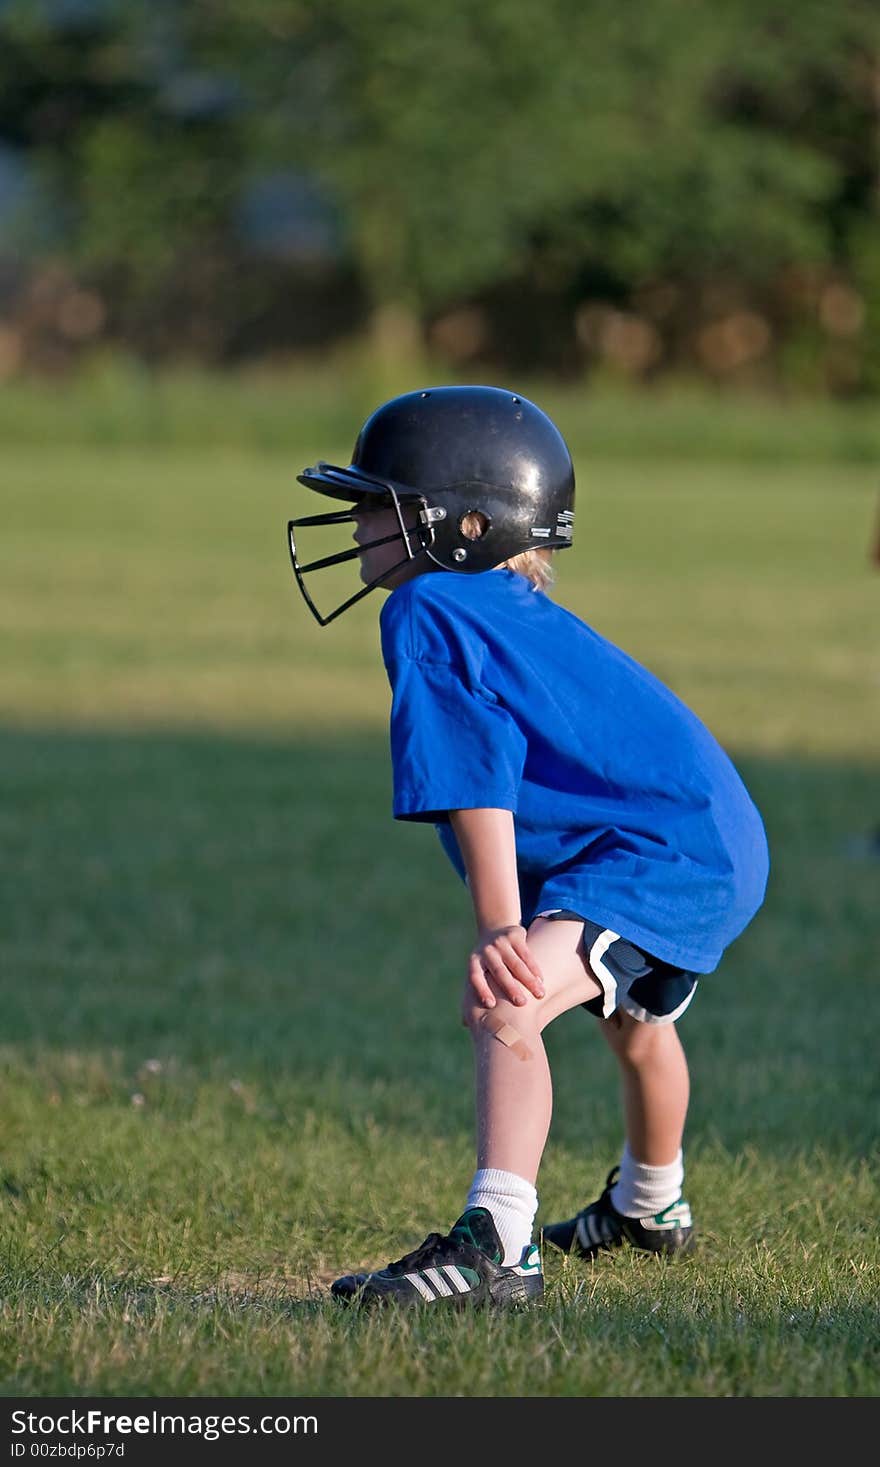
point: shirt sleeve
(453, 747)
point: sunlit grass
(155, 589)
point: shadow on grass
(241, 910)
(138, 1301)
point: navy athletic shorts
(651, 990)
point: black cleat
(461, 1269)
(600, 1227)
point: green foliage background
(217, 1094)
(678, 162)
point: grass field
(230, 1059)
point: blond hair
(533, 564)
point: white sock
(643, 1191)
(512, 1202)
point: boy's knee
(632, 1040)
(505, 1024)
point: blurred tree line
(638, 188)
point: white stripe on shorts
(644, 1017)
(604, 975)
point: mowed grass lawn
(230, 1053)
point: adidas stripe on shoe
(600, 1228)
(461, 1269)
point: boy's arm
(488, 848)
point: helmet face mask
(450, 452)
(385, 498)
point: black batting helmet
(451, 451)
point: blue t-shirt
(626, 809)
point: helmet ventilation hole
(424, 394)
(474, 524)
(516, 400)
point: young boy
(609, 846)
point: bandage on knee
(507, 1035)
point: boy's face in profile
(378, 563)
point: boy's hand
(503, 956)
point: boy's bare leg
(656, 1086)
(514, 1095)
